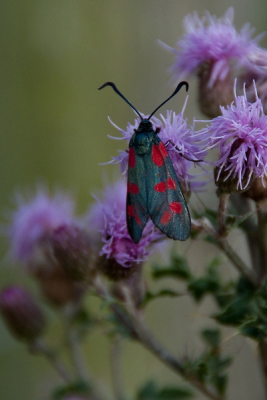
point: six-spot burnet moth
(153, 189)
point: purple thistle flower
(183, 146)
(241, 135)
(214, 41)
(108, 216)
(33, 220)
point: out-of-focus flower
(241, 135)
(215, 41)
(72, 249)
(108, 216)
(21, 313)
(256, 72)
(34, 220)
(212, 49)
(30, 232)
(182, 145)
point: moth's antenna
(114, 87)
(183, 83)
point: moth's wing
(136, 204)
(166, 204)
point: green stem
(261, 268)
(223, 203)
(227, 248)
(147, 339)
(74, 345)
(116, 369)
(40, 346)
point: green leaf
(174, 393)
(245, 287)
(212, 337)
(162, 293)
(77, 388)
(220, 382)
(200, 286)
(147, 392)
(255, 329)
(238, 220)
(208, 213)
(121, 324)
(178, 269)
(236, 312)
(150, 391)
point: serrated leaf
(200, 286)
(174, 393)
(212, 337)
(150, 391)
(235, 313)
(78, 388)
(213, 264)
(238, 220)
(178, 269)
(255, 329)
(162, 293)
(220, 383)
(147, 391)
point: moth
(153, 190)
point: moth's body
(153, 188)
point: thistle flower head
(108, 216)
(181, 143)
(21, 313)
(241, 135)
(213, 41)
(33, 220)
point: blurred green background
(53, 128)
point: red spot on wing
(176, 207)
(160, 187)
(131, 157)
(171, 183)
(163, 150)
(157, 157)
(165, 219)
(130, 211)
(138, 220)
(128, 187)
(134, 189)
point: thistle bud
(257, 190)
(21, 313)
(229, 184)
(211, 97)
(71, 247)
(57, 287)
(113, 270)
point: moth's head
(145, 125)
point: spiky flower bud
(113, 270)
(71, 247)
(210, 98)
(21, 313)
(58, 287)
(257, 190)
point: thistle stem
(223, 203)
(74, 345)
(227, 248)
(147, 339)
(115, 357)
(40, 346)
(261, 267)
